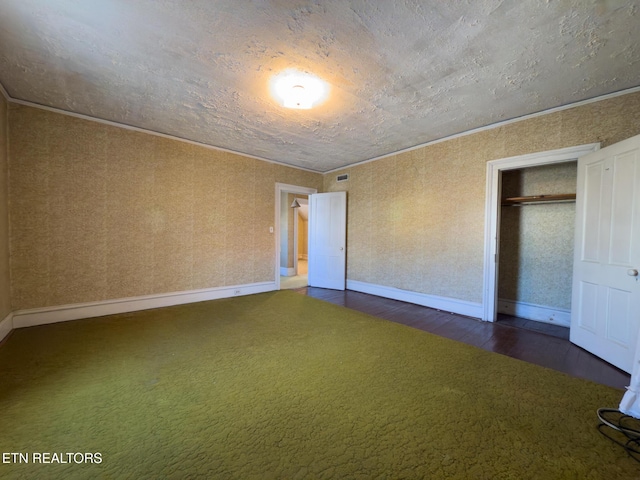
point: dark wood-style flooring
(534, 342)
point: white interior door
(327, 240)
(605, 310)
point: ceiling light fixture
(294, 89)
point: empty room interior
(167, 218)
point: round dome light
(294, 89)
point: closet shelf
(534, 199)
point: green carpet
(280, 385)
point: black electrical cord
(622, 429)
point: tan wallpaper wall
(99, 212)
(416, 219)
(536, 240)
(5, 284)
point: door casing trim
(280, 188)
(492, 216)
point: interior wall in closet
(536, 244)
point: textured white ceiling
(401, 73)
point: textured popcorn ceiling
(401, 73)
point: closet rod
(536, 199)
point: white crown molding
(386, 155)
(64, 313)
(492, 126)
(143, 130)
(157, 134)
(453, 305)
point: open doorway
(292, 216)
(294, 266)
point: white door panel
(625, 192)
(605, 317)
(327, 240)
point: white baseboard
(6, 326)
(540, 313)
(287, 272)
(63, 313)
(446, 304)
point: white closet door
(605, 312)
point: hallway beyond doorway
(297, 281)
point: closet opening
(536, 243)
